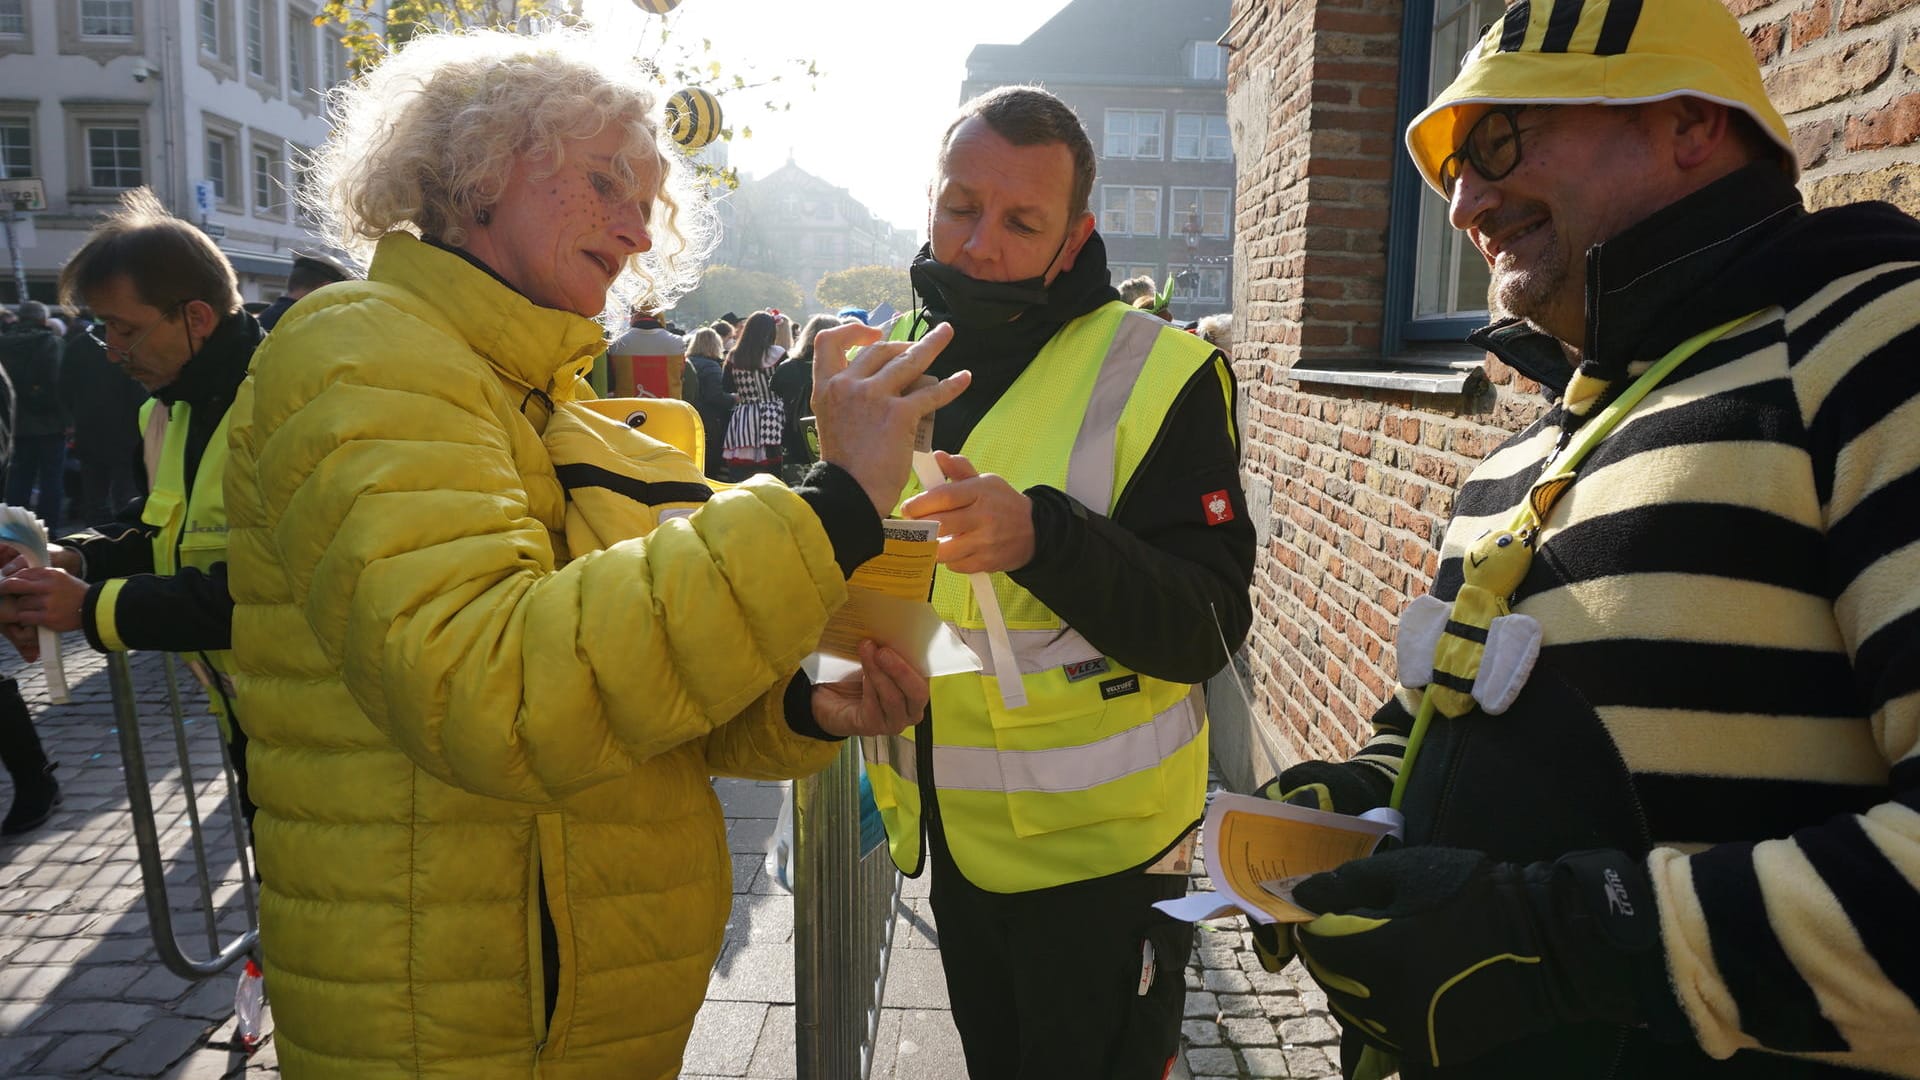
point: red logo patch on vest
(1217, 506)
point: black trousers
(1045, 985)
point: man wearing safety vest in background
(1093, 474)
(169, 306)
(1659, 751)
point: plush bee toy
(1474, 650)
(693, 118)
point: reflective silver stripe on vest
(1090, 467)
(1060, 769)
(893, 751)
(1036, 650)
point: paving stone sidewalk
(83, 994)
(82, 990)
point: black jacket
(103, 402)
(31, 359)
(188, 611)
(715, 406)
(793, 385)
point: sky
(890, 73)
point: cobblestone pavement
(83, 994)
(1243, 1021)
(82, 990)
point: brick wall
(1362, 480)
(1846, 75)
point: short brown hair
(1030, 116)
(169, 261)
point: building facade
(213, 100)
(793, 224)
(1149, 83)
(1362, 414)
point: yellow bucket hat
(1598, 52)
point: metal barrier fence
(844, 896)
(146, 833)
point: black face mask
(972, 304)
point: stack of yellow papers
(1258, 849)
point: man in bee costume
(1656, 746)
(1094, 481)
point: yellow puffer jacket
(452, 714)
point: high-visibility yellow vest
(190, 529)
(1104, 768)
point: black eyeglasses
(1492, 146)
(94, 335)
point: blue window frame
(1436, 281)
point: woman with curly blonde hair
(493, 640)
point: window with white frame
(336, 60)
(16, 146)
(1203, 211)
(1206, 61)
(1209, 283)
(1133, 270)
(1201, 137)
(206, 19)
(219, 160)
(1134, 133)
(257, 38)
(1450, 277)
(1129, 211)
(300, 164)
(114, 157)
(106, 18)
(269, 188)
(13, 17)
(299, 52)
(223, 161)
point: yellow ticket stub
(904, 567)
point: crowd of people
(480, 628)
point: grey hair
(426, 140)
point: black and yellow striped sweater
(1730, 598)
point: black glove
(1440, 955)
(1340, 787)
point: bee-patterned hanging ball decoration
(656, 7)
(693, 118)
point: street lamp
(1193, 247)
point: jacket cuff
(1056, 515)
(844, 510)
(798, 704)
(97, 615)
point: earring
(483, 216)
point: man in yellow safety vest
(169, 306)
(1092, 473)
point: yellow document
(1257, 849)
(887, 603)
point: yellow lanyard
(1555, 479)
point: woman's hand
(889, 698)
(862, 406)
